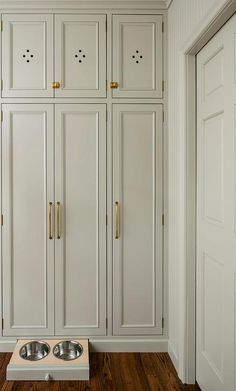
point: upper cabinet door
(137, 56)
(27, 55)
(80, 55)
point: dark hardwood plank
(111, 372)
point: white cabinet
(59, 258)
(80, 55)
(81, 249)
(137, 192)
(137, 56)
(27, 53)
(28, 253)
(31, 240)
(30, 67)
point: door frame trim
(212, 23)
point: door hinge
(1, 115)
(163, 323)
(106, 323)
(163, 27)
(1, 25)
(1, 84)
(106, 25)
(163, 219)
(163, 85)
(106, 116)
(163, 116)
(106, 219)
(2, 324)
(1, 219)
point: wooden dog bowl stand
(50, 367)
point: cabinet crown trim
(83, 4)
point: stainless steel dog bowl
(67, 350)
(34, 350)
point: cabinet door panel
(138, 189)
(28, 254)
(81, 189)
(27, 55)
(137, 55)
(81, 55)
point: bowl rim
(71, 341)
(35, 341)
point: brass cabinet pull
(56, 84)
(114, 84)
(117, 234)
(50, 220)
(58, 220)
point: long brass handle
(117, 233)
(58, 220)
(50, 220)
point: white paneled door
(137, 56)
(80, 55)
(80, 260)
(28, 252)
(137, 244)
(49, 239)
(27, 53)
(216, 212)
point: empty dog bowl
(67, 350)
(34, 350)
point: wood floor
(111, 372)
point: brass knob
(114, 84)
(56, 84)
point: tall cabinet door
(137, 246)
(80, 259)
(80, 53)
(27, 190)
(137, 56)
(27, 55)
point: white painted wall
(185, 18)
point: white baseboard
(173, 356)
(128, 345)
(109, 344)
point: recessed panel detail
(213, 170)
(213, 313)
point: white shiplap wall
(184, 18)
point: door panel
(216, 229)
(28, 254)
(137, 56)
(80, 52)
(138, 189)
(81, 189)
(27, 55)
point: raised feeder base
(50, 367)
